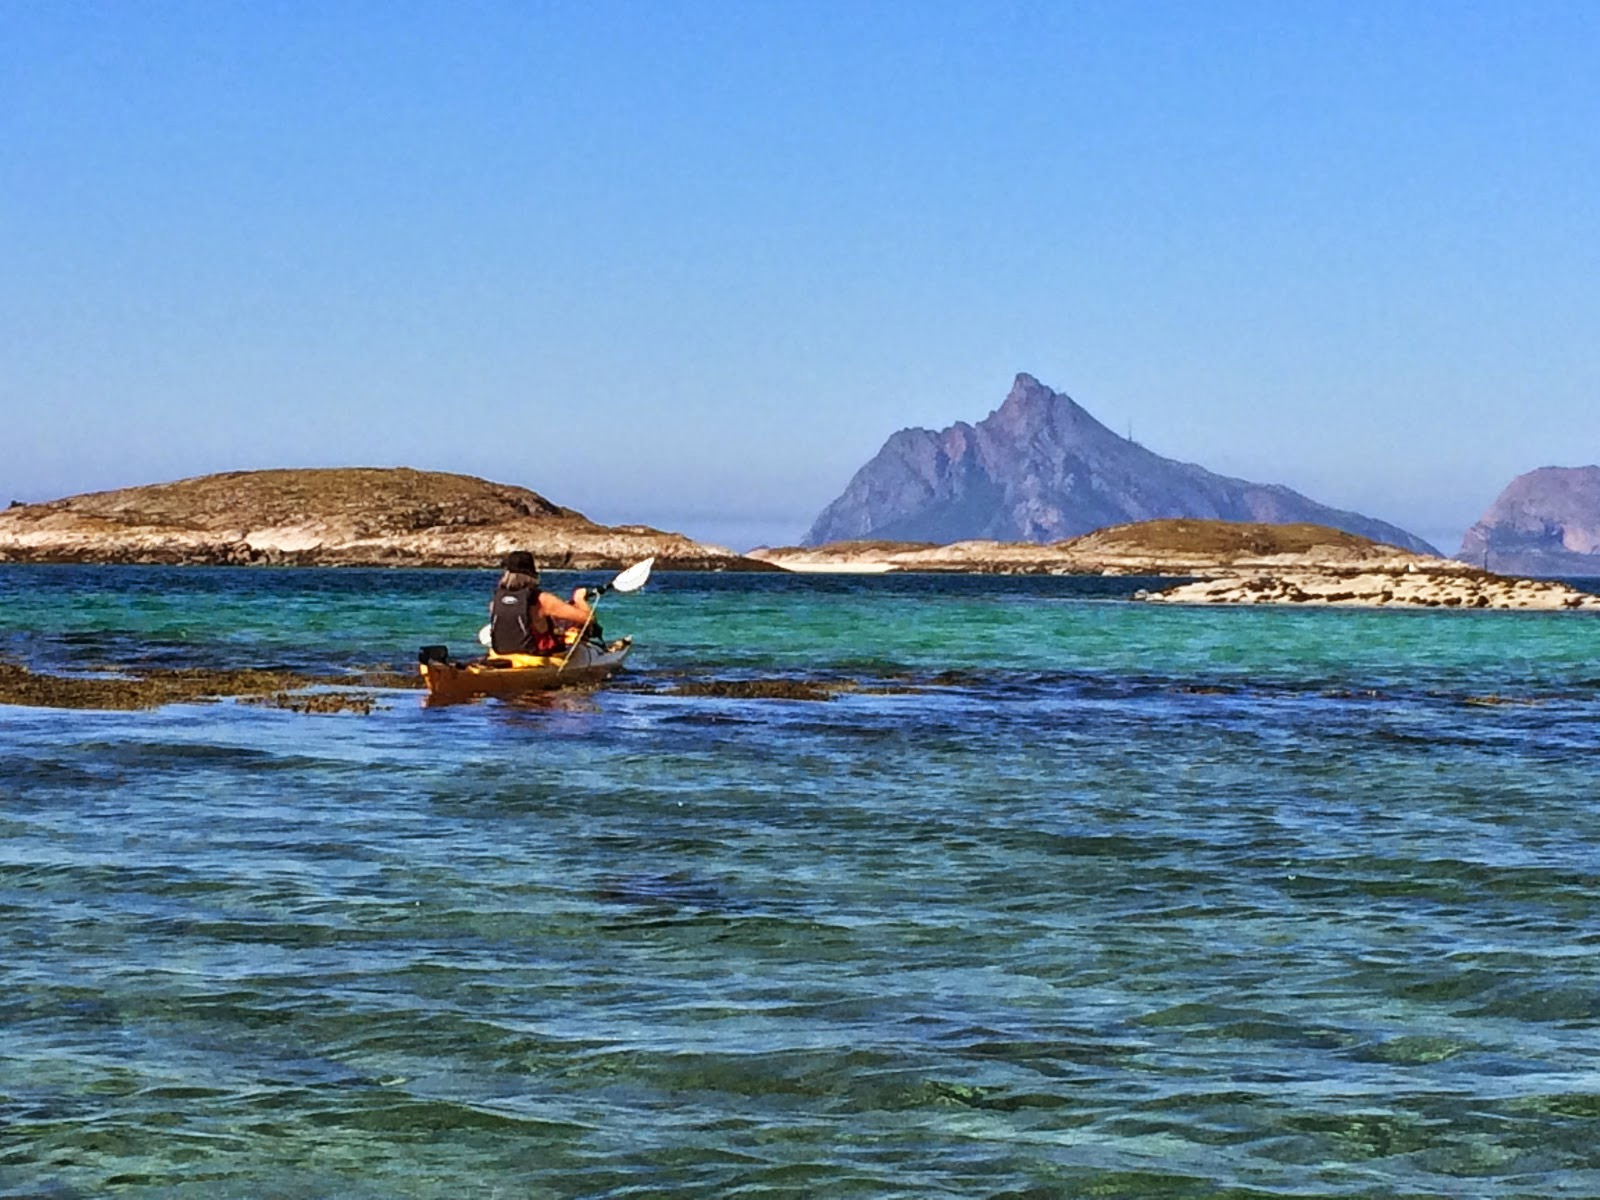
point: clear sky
(690, 264)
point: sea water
(1060, 895)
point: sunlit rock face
(1040, 468)
(1546, 522)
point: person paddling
(525, 620)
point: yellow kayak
(513, 674)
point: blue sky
(691, 264)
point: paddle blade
(634, 577)
(483, 635)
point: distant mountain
(1041, 469)
(1546, 522)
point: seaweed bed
(133, 687)
(757, 689)
(775, 689)
(152, 687)
(318, 702)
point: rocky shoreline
(1173, 547)
(399, 517)
(576, 552)
(337, 517)
(1461, 589)
(1220, 562)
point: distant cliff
(345, 516)
(1546, 522)
(1041, 469)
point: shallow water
(1072, 897)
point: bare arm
(557, 609)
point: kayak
(514, 674)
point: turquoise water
(1072, 897)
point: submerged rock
(139, 688)
(319, 702)
(756, 689)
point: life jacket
(516, 626)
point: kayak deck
(514, 674)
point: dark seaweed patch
(138, 688)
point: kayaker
(525, 620)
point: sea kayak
(514, 674)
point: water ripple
(1053, 897)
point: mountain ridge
(1042, 468)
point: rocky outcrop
(1409, 586)
(347, 516)
(1166, 547)
(1040, 469)
(1228, 562)
(1546, 522)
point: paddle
(630, 580)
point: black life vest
(516, 626)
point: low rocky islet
(1219, 562)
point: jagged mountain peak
(1041, 468)
(1027, 392)
(1031, 407)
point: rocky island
(1041, 468)
(337, 516)
(1166, 547)
(1546, 522)
(1222, 562)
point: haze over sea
(1058, 896)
